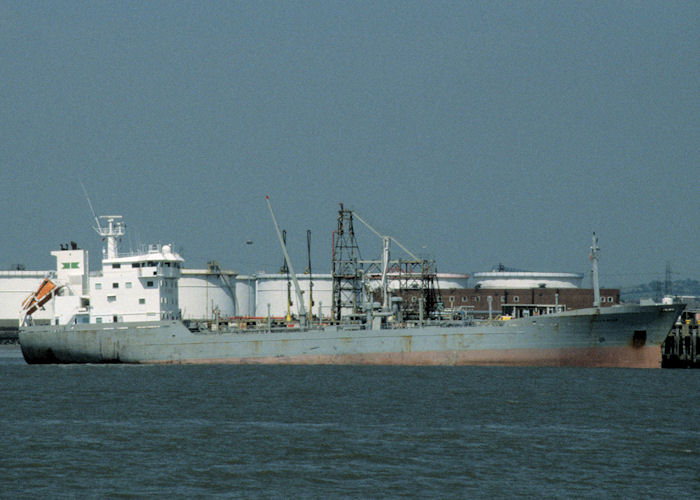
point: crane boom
(300, 299)
(413, 256)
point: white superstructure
(139, 287)
(133, 286)
(72, 302)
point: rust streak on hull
(620, 357)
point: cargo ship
(111, 326)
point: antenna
(97, 221)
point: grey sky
(475, 132)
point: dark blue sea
(346, 432)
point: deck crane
(297, 288)
(386, 243)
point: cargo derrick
(354, 279)
(419, 277)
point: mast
(311, 283)
(346, 268)
(386, 242)
(594, 271)
(285, 269)
(115, 229)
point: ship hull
(620, 336)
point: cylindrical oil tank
(518, 279)
(205, 292)
(245, 295)
(448, 281)
(272, 289)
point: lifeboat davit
(46, 291)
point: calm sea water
(287, 431)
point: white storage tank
(272, 289)
(448, 281)
(521, 279)
(203, 291)
(245, 295)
